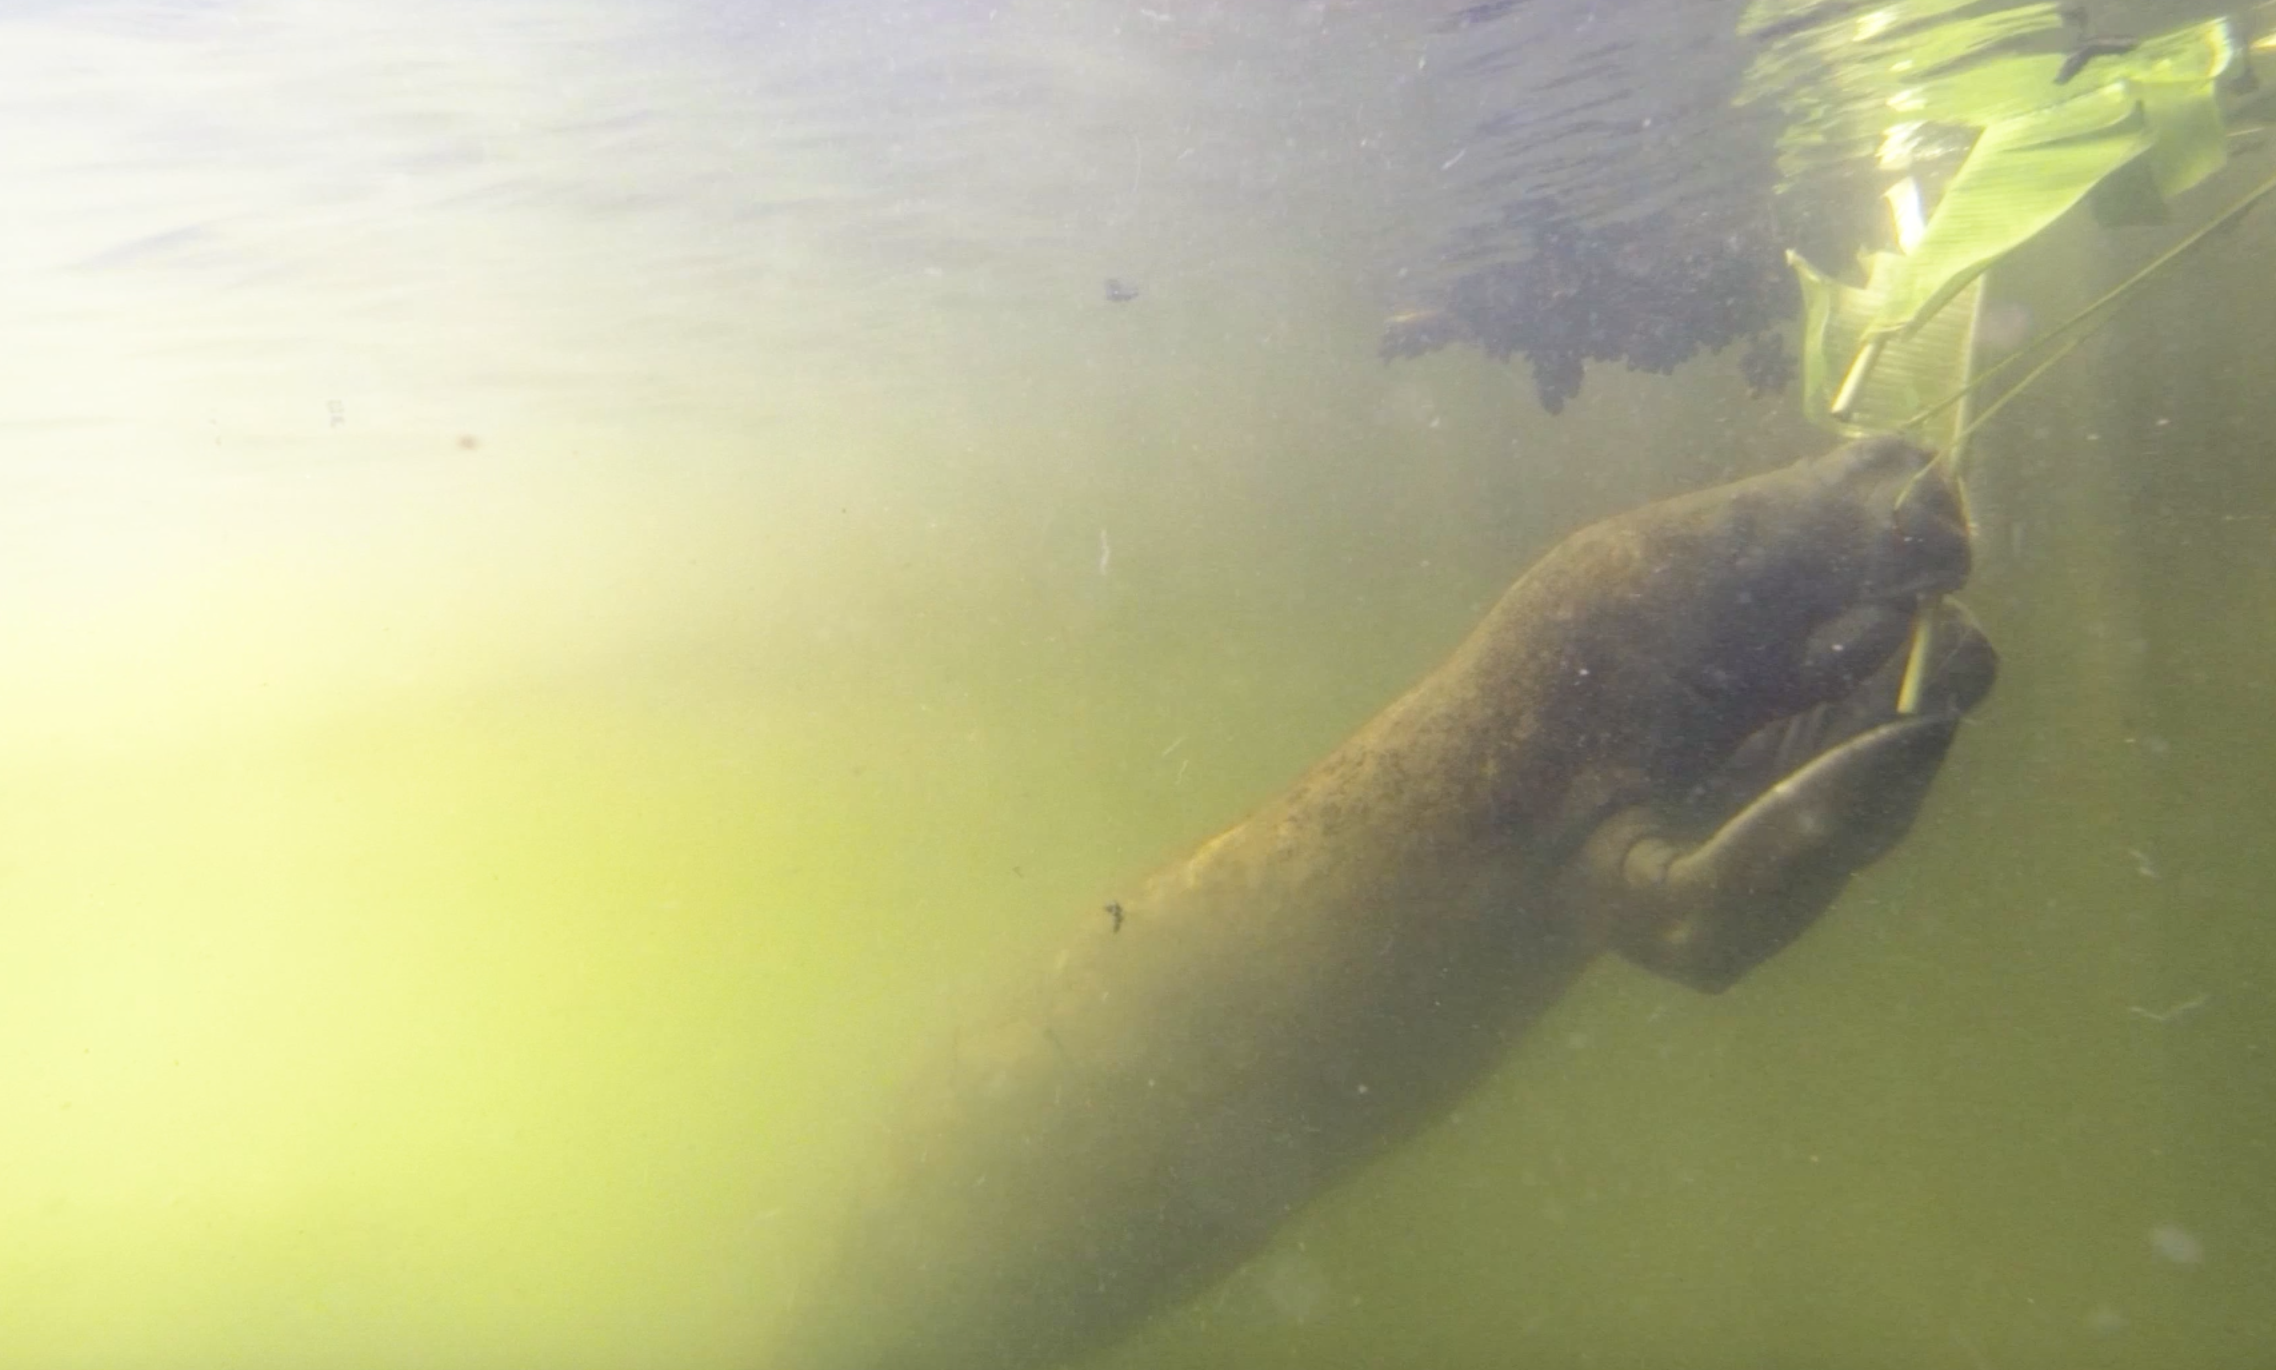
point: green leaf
(2023, 174)
(1908, 373)
(1908, 79)
(2177, 76)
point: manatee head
(1643, 650)
(1784, 679)
(1781, 593)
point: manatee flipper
(1703, 891)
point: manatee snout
(1918, 543)
(1910, 538)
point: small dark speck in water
(1120, 291)
(1114, 911)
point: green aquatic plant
(2062, 339)
(2124, 132)
(1905, 377)
(2119, 125)
(2075, 330)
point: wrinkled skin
(1676, 737)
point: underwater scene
(1268, 684)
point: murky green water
(583, 582)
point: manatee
(1675, 738)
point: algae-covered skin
(1675, 736)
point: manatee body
(1676, 736)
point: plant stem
(2092, 312)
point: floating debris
(1612, 292)
(2180, 1010)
